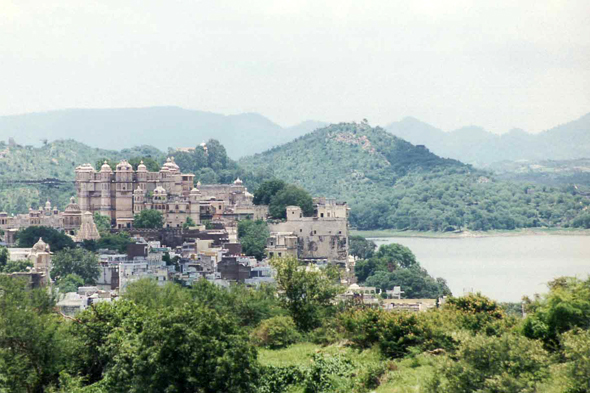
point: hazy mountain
(477, 146)
(162, 127)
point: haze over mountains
(251, 133)
(476, 146)
(162, 127)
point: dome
(238, 181)
(124, 166)
(198, 184)
(41, 246)
(195, 191)
(73, 207)
(159, 190)
(138, 190)
(141, 167)
(170, 164)
(105, 167)
(48, 205)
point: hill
(56, 160)
(477, 146)
(164, 127)
(390, 183)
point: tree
(151, 164)
(70, 283)
(149, 219)
(32, 347)
(188, 223)
(361, 247)
(77, 261)
(253, 236)
(396, 254)
(415, 282)
(4, 257)
(103, 223)
(290, 195)
(267, 190)
(57, 240)
(307, 294)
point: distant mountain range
(476, 146)
(163, 127)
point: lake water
(503, 268)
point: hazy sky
(498, 64)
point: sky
(451, 63)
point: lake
(505, 267)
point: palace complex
(125, 192)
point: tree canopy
(149, 219)
(78, 261)
(290, 195)
(253, 236)
(57, 240)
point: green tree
(306, 293)
(188, 223)
(477, 313)
(510, 363)
(415, 282)
(77, 261)
(253, 236)
(576, 350)
(4, 257)
(290, 195)
(267, 190)
(16, 266)
(276, 332)
(361, 247)
(33, 349)
(70, 283)
(57, 240)
(103, 223)
(151, 164)
(149, 219)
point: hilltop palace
(121, 194)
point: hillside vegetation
(390, 183)
(55, 160)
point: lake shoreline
(472, 234)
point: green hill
(55, 160)
(390, 183)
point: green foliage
(390, 183)
(211, 166)
(477, 313)
(253, 236)
(328, 374)
(16, 266)
(360, 247)
(276, 332)
(576, 350)
(70, 283)
(290, 195)
(78, 261)
(151, 164)
(267, 190)
(57, 240)
(395, 265)
(33, 349)
(103, 223)
(148, 219)
(307, 294)
(567, 306)
(510, 363)
(188, 223)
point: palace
(123, 193)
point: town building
(322, 237)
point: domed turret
(48, 205)
(141, 167)
(106, 167)
(73, 206)
(41, 246)
(124, 166)
(138, 190)
(159, 191)
(238, 181)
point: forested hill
(390, 183)
(55, 160)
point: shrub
(276, 332)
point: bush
(276, 332)
(510, 363)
